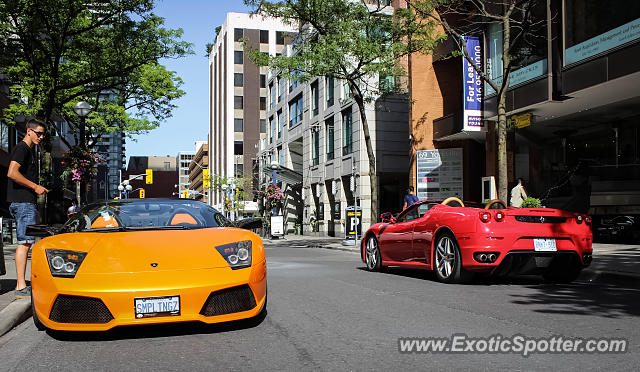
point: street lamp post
(274, 166)
(224, 193)
(82, 109)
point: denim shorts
(25, 214)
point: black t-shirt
(23, 155)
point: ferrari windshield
(142, 214)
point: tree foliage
(356, 41)
(106, 52)
(520, 26)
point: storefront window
(595, 26)
(528, 56)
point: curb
(15, 313)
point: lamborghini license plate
(157, 306)
(544, 245)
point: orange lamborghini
(142, 261)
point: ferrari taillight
(499, 216)
(485, 216)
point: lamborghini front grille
(76, 309)
(229, 300)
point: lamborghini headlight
(64, 263)
(238, 255)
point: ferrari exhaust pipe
(482, 257)
(492, 257)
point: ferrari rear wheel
(372, 254)
(447, 260)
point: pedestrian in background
(73, 208)
(22, 191)
(518, 194)
(410, 198)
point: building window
(264, 36)
(263, 103)
(347, 132)
(346, 90)
(238, 33)
(314, 98)
(237, 148)
(272, 96)
(329, 90)
(238, 170)
(238, 79)
(279, 37)
(237, 102)
(295, 111)
(263, 81)
(315, 147)
(238, 57)
(272, 125)
(294, 83)
(329, 134)
(237, 125)
(280, 89)
(280, 120)
(263, 125)
(280, 156)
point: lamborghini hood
(152, 250)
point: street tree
(358, 42)
(520, 25)
(106, 52)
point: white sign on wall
(439, 174)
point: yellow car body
(127, 270)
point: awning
(286, 175)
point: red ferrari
(456, 241)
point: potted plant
(531, 202)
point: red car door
(396, 241)
(423, 234)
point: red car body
(551, 242)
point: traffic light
(205, 178)
(141, 193)
(185, 194)
(149, 178)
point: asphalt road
(326, 312)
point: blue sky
(190, 121)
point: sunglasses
(39, 134)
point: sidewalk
(12, 311)
(619, 263)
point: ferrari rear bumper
(517, 254)
(205, 295)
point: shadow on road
(158, 330)
(580, 298)
(585, 296)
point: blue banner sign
(602, 43)
(472, 105)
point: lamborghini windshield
(143, 214)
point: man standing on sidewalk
(22, 191)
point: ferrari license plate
(544, 245)
(157, 306)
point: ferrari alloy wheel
(448, 264)
(372, 254)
